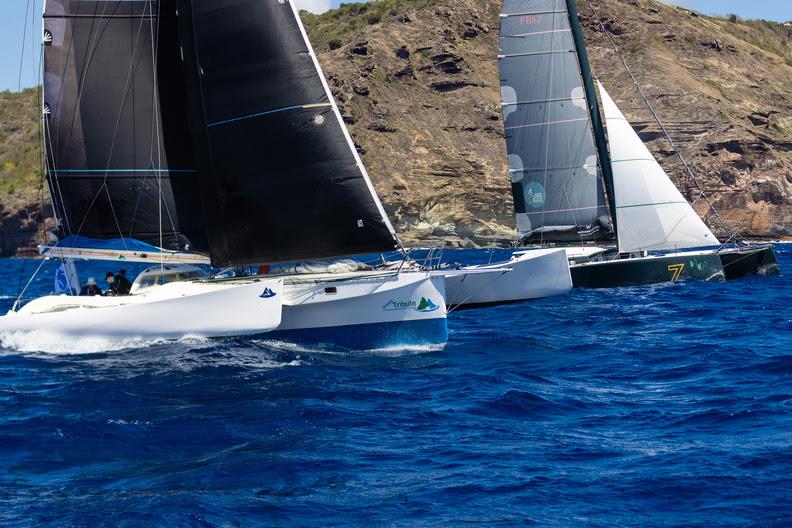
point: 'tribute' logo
(426, 305)
(268, 294)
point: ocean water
(668, 405)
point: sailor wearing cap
(90, 288)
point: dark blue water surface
(668, 405)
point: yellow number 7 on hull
(677, 270)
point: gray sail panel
(108, 162)
(553, 160)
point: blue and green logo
(534, 194)
(426, 305)
(268, 294)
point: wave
(57, 344)
(329, 349)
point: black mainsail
(281, 178)
(557, 151)
(114, 163)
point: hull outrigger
(752, 260)
(526, 276)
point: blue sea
(668, 405)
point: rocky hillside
(417, 82)
(22, 193)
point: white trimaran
(111, 70)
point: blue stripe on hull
(371, 336)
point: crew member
(112, 284)
(90, 289)
(123, 284)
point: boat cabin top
(159, 275)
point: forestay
(282, 179)
(115, 165)
(651, 212)
(556, 178)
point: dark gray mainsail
(554, 157)
(115, 164)
(281, 178)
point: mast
(600, 138)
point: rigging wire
(690, 175)
(22, 54)
(155, 121)
(104, 187)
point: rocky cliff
(23, 208)
(417, 82)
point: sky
(13, 27)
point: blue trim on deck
(112, 244)
(370, 336)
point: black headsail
(281, 178)
(114, 161)
(556, 167)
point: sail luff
(345, 130)
(652, 213)
(600, 138)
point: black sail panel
(553, 159)
(281, 179)
(110, 167)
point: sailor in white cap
(91, 288)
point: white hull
(385, 309)
(368, 298)
(367, 310)
(172, 311)
(531, 275)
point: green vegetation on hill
(20, 153)
(769, 36)
(331, 30)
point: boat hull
(530, 275)
(369, 312)
(739, 263)
(171, 311)
(648, 270)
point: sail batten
(652, 215)
(556, 177)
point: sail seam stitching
(549, 123)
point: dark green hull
(751, 261)
(647, 270)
